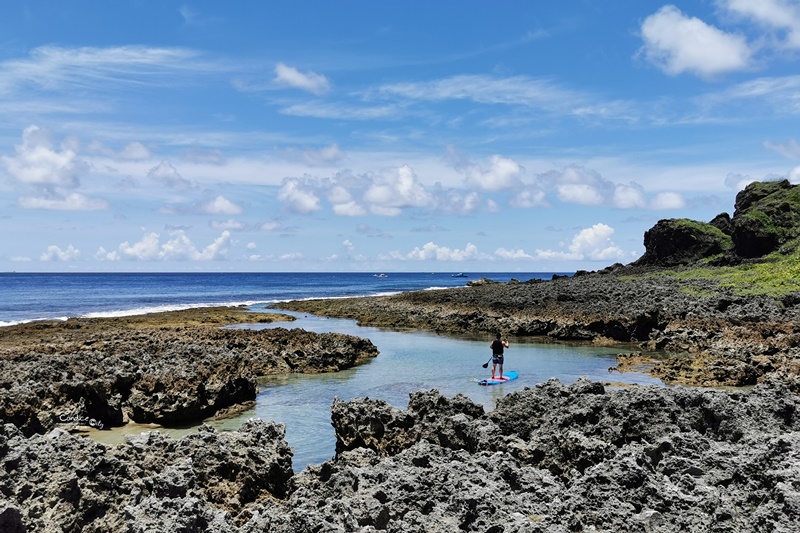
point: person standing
(497, 354)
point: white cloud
(528, 197)
(737, 182)
(52, 67)
(794, 175)
(628, 197)
(576, 184)
(37, 162)
(434, 252)
(503, 173)
(291, 256)
(395, 190)
(166, 174)
(220, 206)
(229, 224)
(349, 246)
(299, 195)
(309, 81)
(63, 201)
(54, 253)
(178, 248)
(580, 193)
(668, 200)
(590, 243)
(777, 14)
(515, 90)
(677, 43)
(512, 254)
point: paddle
(486, 364)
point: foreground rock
(166, 368)
(552, 458)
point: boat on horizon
(460, 275)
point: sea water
(408, 361)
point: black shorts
(497, 358)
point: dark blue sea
(26, 297)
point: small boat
(460, 275)
(380, 276)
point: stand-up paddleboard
(507, 376)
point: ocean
(27, 297)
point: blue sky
(382, 136)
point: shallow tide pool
(408, 361)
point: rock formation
(550, 458)
(105, 372)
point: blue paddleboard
(507, 376)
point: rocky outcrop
(766, 217)
(550, 458)
(203, 482)
(105, 372)
(680, 241)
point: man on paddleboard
(497, 354)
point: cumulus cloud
(576, 184)
(312, 82)
(503, 173)
(299, 195)
(668, 200)
(590, 243)
(512, 255)
(794, 175)
(220, 206)
(38, 162)
(53, 173)
(499, 173)
(434, 252)
(529, 196)
(677, 43)
(55, 253)
(167, 175)
(177, 248)
(385, 194)
(396, 189)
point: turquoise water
(413, 361)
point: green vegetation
(776, 276)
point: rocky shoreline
(165, 368)
(554, 458)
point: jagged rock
(103, 372)
(681, 241)
(767, 216)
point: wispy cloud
(55, 68)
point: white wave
(4, 324)
(166, 308)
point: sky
(464, 136)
